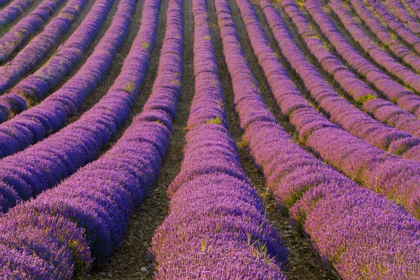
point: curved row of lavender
(13, 10)
(331, 208)
(384, 36)
(414, 6)
(383, 110)
(399, 28)
(216, 228)
(49, 116)
(398, 10)
(27, 26)
(43, 165)
(341, 112)
(392, 176)
(394, 91)
(37, 48)
(98, 199)
(33, 88)
(380, 56)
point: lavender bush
(33, 88)
(216, 226)
(50, 115)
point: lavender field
(210, 139)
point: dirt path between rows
(303, 260)
(131, 261)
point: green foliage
(216, 120)
(365, 98)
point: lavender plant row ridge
(93, 216)
(49, 116)
(32, 89)
(326, 99)
(216, 227)
(77, 144)
(316, 196)
(38, 46)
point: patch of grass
(365, 98)
(216, 120)
(145, 45)
(129, 87)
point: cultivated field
(219, 139)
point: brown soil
(114, 71)
(129, 260)
(41, 29)
(22, 15)
(90, 49)
(303, 260)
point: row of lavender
(216, 228)
(46, 163)
(399, 28)
(393, 91)
(37, 48)
(33, 88)
(415, 8)
(13, 10)
(380, 56)
(383, 110)
(392, 176)
(27, 26)
(319, 198)
(398, 9)
(64, 230)
(387, 38)
(50, 115)
(342, 112)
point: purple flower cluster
(414, 6)
(395, 92)
(46, 163)
(408, 34)
(395, 46)
(370, 166)
(36, 49)
(50, 115)
(354, 229)
(342, 112)
(32, 89)
(383, 110)
(216, 228)
(357, 159)
(64, 229)
(397, 9)
(13, 10)
(26, 26)
(378, 55)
